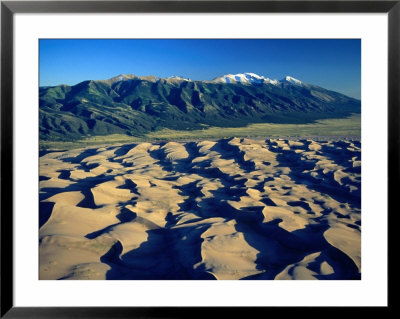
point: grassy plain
(350, 126)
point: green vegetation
(350, 126)
(325, 127)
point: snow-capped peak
(247, 78)
(292, 80)
(250, 76)
(244, 78)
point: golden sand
(231, 209)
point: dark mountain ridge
(133, 105)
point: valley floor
(229, 209)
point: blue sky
(330, 63)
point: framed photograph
(161, 156)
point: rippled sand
(231, 209)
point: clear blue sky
(332, 64)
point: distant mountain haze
(135, 105)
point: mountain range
(135, 105)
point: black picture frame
(9, 8)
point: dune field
(234, 208)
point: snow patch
(244, 78)
(292, 80)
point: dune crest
(229, 209)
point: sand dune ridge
(230, 209)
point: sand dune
(228, 209)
